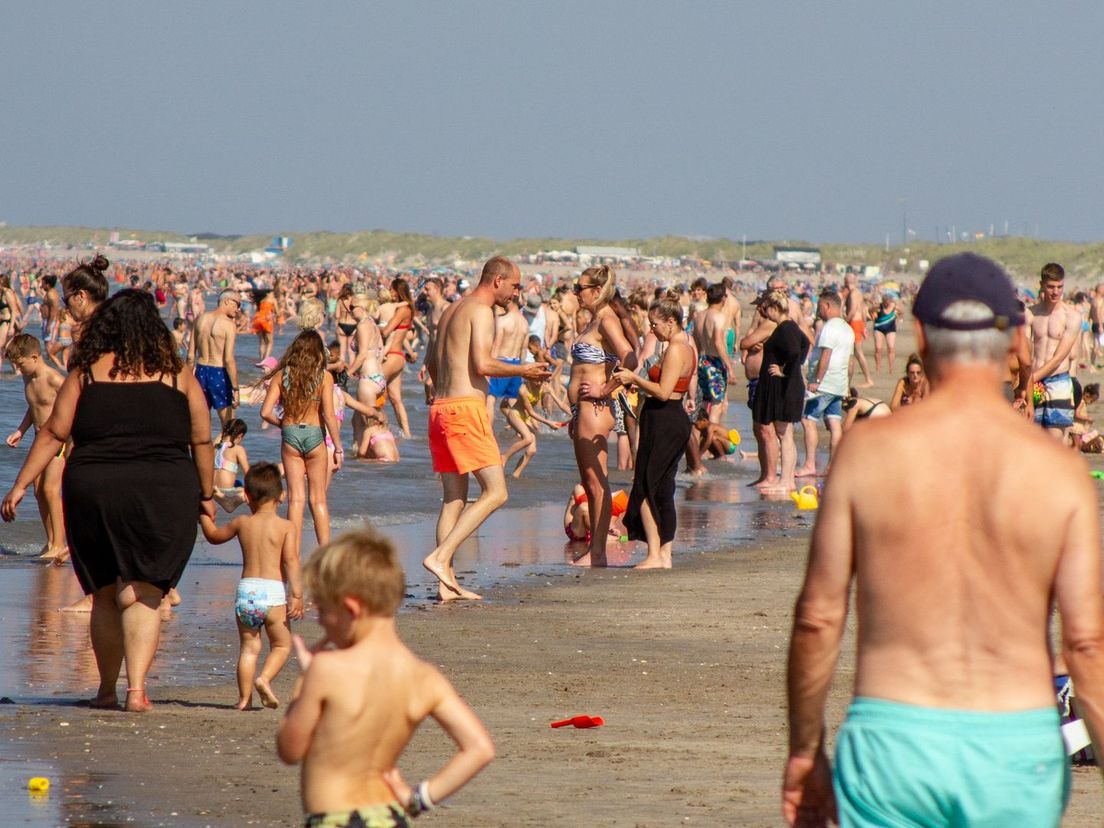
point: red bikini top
(681, 386)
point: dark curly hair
(128, 326)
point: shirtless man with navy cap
(953, 720)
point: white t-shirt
(837, 335)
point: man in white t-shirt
(829, 370)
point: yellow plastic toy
(806, 499)
(734, 437)
(38, 784)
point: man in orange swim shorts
(854, 311)
(460, 435)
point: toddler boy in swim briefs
(363, 694)
(270, 555)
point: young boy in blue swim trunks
(270, 556)
(363, 694)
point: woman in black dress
(664, 432)
(780, 397)
(140, 470)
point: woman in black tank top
(140, 470)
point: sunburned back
(370, 715)
(953, 573)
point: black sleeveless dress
(130, 492)
(782, 399)
(664, 431)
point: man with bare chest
(1054, 327)
(953, 720)
(461, 441)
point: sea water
(45, 653)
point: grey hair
(986, 345)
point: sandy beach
(687, 668)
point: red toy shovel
(581, 722)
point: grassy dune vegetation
(1022, 256)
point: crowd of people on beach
(121, 379)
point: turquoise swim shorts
(906, 765)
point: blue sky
(823, 121)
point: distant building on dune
(607, 255)
(797, 255)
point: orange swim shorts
(460, 436)
(859, 327)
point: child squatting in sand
(270, 554)
(362, 695)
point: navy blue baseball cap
(968, 276)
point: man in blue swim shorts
(511, 337)
(953, 721)
(1055, 327)
(212, 353)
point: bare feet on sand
(766, 483)
(585, 560)
(447, 587)
(653, 563)
(137, 700)
(776, 492)
(56, 554)
(245, 704)
(806, 472)
(268, 698)
(105, 701)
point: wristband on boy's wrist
(420, 802)
(206, 498)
